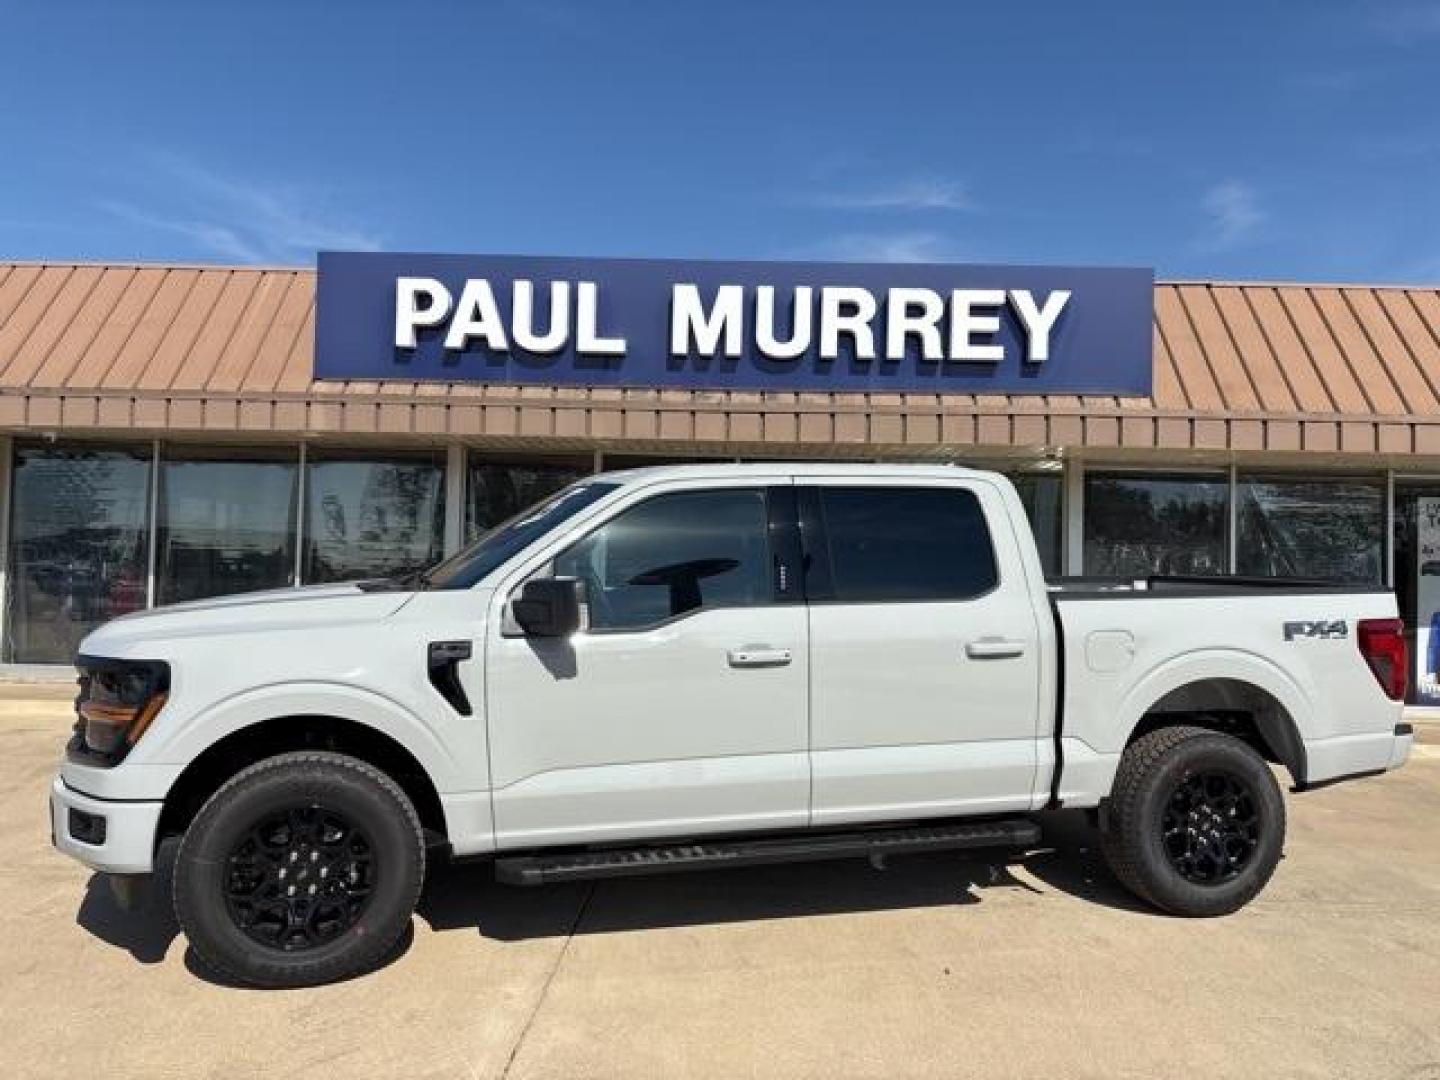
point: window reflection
(1317, 528)
(225, 525)
(77, 546)
(1042, 493)
(673, 554)
(1138, 525)
(497, 491)
(369, 518)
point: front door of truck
(924, 651)
(681, 707)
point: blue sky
(1240, 140)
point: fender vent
(443, 664)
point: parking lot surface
(938, 966)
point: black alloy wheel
(1195, 822)
(1211, 827)
(300, 878)
(302, 869)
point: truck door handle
(994, 649)
(759, 656)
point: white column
(454, 499)
(300, 481)
(151, 546)
(1389, 528)
(1074, 510)
(1232, 513)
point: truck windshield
(495, 546)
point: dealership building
(173, 432)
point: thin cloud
(903, 247)
(917, 194)
(552, 14)
(1233, 213)
(213, 239)
(237, 219)
(1408, 24)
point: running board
(713, 855)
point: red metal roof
(1238, 366)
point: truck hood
(310, 606)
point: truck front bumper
(109, 835)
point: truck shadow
(467, 897)
(145, 930)
(148, 929)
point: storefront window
(1417, 583)
(78, 555)
(1315, 528)
(1142, 524)
(1042, 494)
(226, 523)
(368, 517)
(496, 491)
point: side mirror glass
(548, 607)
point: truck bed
(1283, 650)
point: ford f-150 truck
(705, 666)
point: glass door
(1417, 583)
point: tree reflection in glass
(1137, 525)
(78, 556)
(369, 518)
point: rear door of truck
(926, 649)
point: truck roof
(727, 470)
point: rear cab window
(875, 544)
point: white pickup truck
(708, 666)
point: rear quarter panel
(1125, 652)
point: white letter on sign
(477, 316)
(587, 325)
(964, 324)
(409, 315)
(902, 319)
(1038, 321)
(855, 322)
(522, 325)
(800, 319)
(691, 328)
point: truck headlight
(118, 699)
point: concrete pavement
(939, 966)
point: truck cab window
(898, 544)
(674, 554)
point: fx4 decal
(1324, 629)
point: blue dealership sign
(780, 326)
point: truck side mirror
(548, 607)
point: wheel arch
(242, 747)
(1237, 694)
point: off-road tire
(1151, 770)
(343, 785)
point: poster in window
(1427, 601)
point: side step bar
(877, 844)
